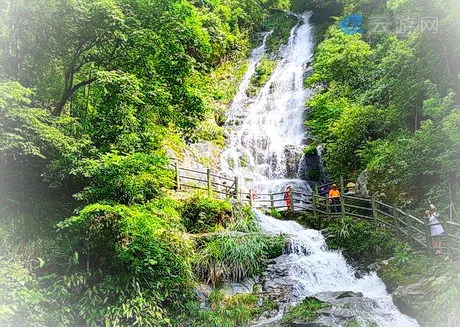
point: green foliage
(311, 149)
(406, 267)
(342, 58)
(361, 239)
(244, 160)
(237, 310)
(352, 323)
(440, 283)
(235, 257)
(21, 302)
(305, 311)
(281, 23)
(31, 131)
(387, 102)
(262, 74)
(202, 213)
(139, 247)
(243, 219)
(133, 178)
(275, 213)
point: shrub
(237, 310)
(243, 219)
(136, 246)
(275, 213)
(201, 213)
(127, 179)
(361, 240)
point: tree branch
(69, 92)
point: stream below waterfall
(268, 132)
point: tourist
(334, 197)
(287, 196)
(436, 229)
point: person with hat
(351, 189)
(334, 197)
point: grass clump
(238, 310)
(311, 149)
(306, 311)
(235, 257)
(275, 213)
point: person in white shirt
(436, 229)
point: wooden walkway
(403, 224)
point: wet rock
(338, 309)
(275, 281)
(292, 154)
(362, 185)
(246, 286)
(416, 299)
(202, 292)
(349, 294)
(196, 156)
(374, 267)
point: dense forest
(389, 99)
(96, 96)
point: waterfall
(267, 132)
(314, 269)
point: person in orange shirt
(334, 197)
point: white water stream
(266, 131)
(314, 268)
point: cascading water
(266, 132)
(314, 268)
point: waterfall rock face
(309, 269)
(414, 299)
(293, 155)
(265, 149)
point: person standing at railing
(436, 229)
(253, 194)
(287, 196)
(334, 197)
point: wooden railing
(416, 230)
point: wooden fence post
(177, 176)
(315, 199)
(291, 196)
(429, 248)
(328, 207)
(237, 188)
(272, 204)
(374, 209)
(409, 228)
(342, 200)
(209, 181)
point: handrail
(401, 222)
